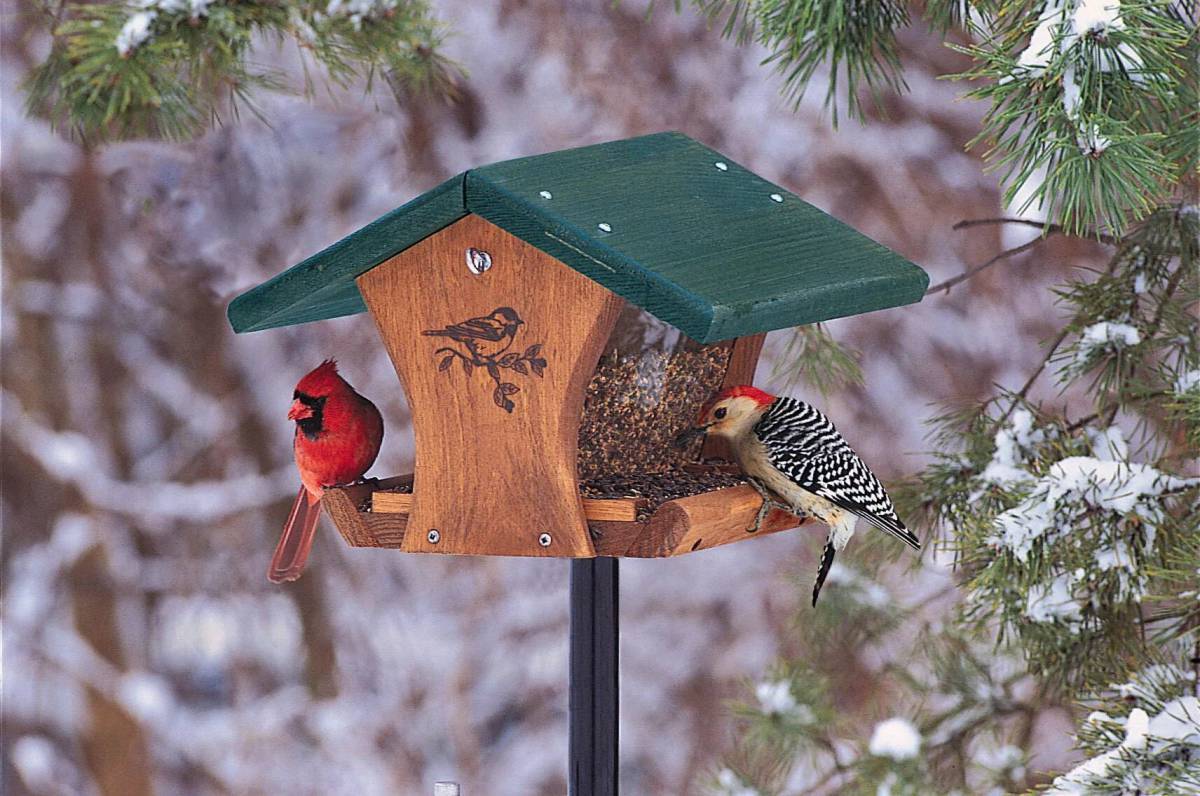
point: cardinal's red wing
(291, 554)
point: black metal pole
(592, 688)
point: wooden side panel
(494, 342)
(742, 364)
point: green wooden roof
(664, 221)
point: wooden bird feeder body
(556, 321)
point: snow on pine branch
(1065, 535)
(139, 27)
(895, 738)
(1153, 748)
(1102, 505)
(1080, 485)
(1100, 339)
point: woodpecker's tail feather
(823, 568)
(291, 554)
(893, 527)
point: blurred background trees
(147, 468)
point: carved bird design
(487, 336)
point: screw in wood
(545, 194)
(604, 227)
(776, 197)
(721, 165)
(478, 261)
(433, 536)
(544, 540)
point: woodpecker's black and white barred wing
(805, 446)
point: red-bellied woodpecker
(799, 462)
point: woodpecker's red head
(313, 390)
(729, 413)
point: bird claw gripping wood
(769, 502)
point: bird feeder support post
(593, 677)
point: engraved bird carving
(487, 336)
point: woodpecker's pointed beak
(299, 411)
(685, 439)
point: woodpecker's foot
(764, 510)
(769, 502)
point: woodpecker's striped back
(805, 446)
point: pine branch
(170, 69)
(856, 41)
(1004, 255)
(1042, 225)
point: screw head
(545, 194)
(721, 165)
(776, 197)
(544, 540)
(434, 536)
(478, 261)
(604, 227)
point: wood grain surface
(491, 478)
(611, 509)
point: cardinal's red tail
(291, 553)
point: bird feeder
(556, 321)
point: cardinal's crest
(486, 342)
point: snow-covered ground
(146, 454)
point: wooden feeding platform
(714, 508)
(556, 321)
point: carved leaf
(468, 368)
(446, 363)
(537, 365)
(533, 350)
(508, 405)
(508, 359)
(493, 371)
(508, 388)
(498, 397)
(519, 367)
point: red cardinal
(338, 433)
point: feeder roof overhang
(661, 220)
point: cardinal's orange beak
(299, 411)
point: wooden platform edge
(595, 509)
(360, 528)
(677, 527)
(699, 522)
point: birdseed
(648, 388)
(657, 488)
